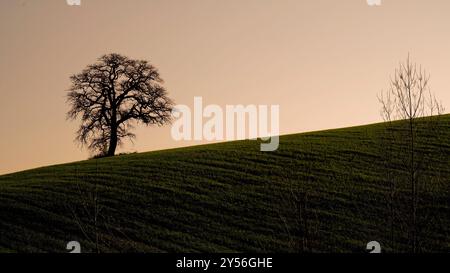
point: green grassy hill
(325, 191)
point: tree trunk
(112, 142)
(413, 189)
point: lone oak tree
(113, 95)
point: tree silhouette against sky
(113, 95)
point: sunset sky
(322, 61)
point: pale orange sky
(322, 61)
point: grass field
(320, 192)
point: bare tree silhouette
(111, 96)
(408, 98)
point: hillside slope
(322, 192)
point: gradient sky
(322, 61)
